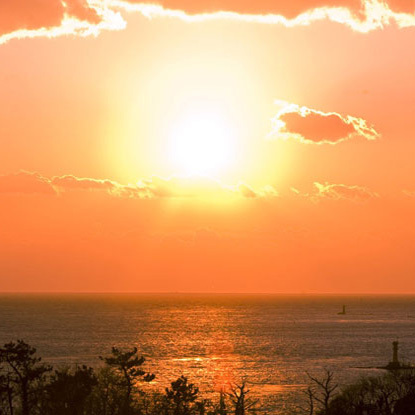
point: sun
(201, 142)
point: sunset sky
(207, 146)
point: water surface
(269, 340)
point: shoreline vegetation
(30, 387)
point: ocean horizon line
(219, 293)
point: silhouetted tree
(25, 372)
(6, 393)
(221, 409)
(322, 390)
(390, 394)
(309, 409)
(68, 391)
(181, 396)
(128, 365)
(405, 405)
(108, 395)
(241, 403)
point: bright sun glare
(201, 142)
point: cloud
(249, 192)
(359, 15)
(36, 14)
(154, 187)
(409, 193)
(50, 18)
(72, 182)
(312, 126)
(288, 9)
(26, 183)
(342, 192)
(194, 186)
(21, 19)
(181, 186)
(402, 6)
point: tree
(309, 410)
(238, 396)
(68, 391)
(322, 391)
(128, 365)
(181, 396)
(405, 405)
(25, 371)
(108, 395)
(389, 394)
(6, 394)
(221, 409)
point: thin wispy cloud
(25, 182)
(22, 19)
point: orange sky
(221, 146)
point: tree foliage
(22, 375)
(390, 394)
(30, 387)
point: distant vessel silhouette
(342, 313)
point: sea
(270, 342)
